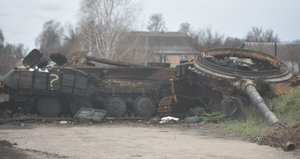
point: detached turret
(235, 71)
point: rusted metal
(226, 69)
(278, 89)
(118, 86)
(173, 90)
(248, 87)
(243, 53)
(118, 89)
(288, 146)
(215, 63)
(164, 105)
(295, 81)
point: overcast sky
(21, 20)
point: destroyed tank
(127, 88)
(214, 80)
(124, 89)
(233, 73)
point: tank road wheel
(116, 106)
(144, 106)
(49, 106)
(77, 104)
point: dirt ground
(126, 140)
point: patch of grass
(286, 107)
(252, 125)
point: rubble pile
(283, 138)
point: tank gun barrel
(111, 62)
(248, 87)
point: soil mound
(288, 139)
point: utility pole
(275, 51)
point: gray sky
(22, 20)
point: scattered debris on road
(168, 119)
(89, 114)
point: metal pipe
(111, 62)
(249, 88)
(288, 146)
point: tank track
(164, 108)
(37, 118)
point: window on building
(164, 59)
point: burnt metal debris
(213, 78)
(231, 71)
(89, 114)
(122, 89)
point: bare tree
(257, 34)
(270, 36)
(156, 23)
(233, 42)
(185, 27)
(104, 23)
(205, 39)
(50, 39)
(9, 54)
(71, 42)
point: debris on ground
(89, 114)
(154, 120)
(64, 122)
(168, 119)
(288, 139)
